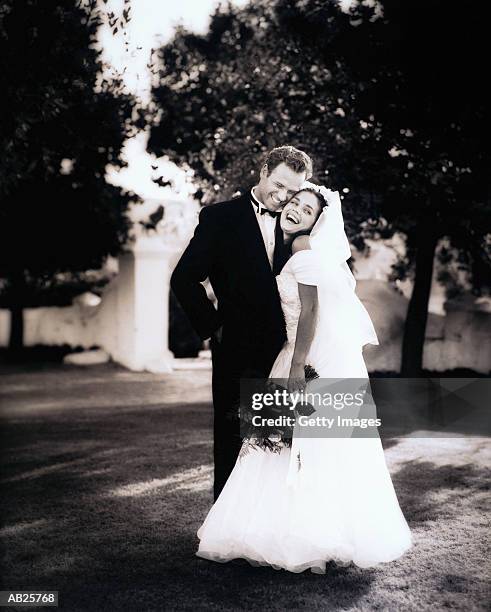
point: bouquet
(273, 437)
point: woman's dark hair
(320, 198)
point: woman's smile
(300, 213)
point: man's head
(284, 171)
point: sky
(152, 24)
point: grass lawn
(106, 476)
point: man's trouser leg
(226, 428)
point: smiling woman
(300, 213)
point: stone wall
(460, 338)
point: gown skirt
(339, 506)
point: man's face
(279, 186)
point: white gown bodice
(332, 353)
(290, 301)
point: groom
(239, 246)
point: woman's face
(300, 213)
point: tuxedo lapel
(281, 250)
(247, 228)
(258, 284)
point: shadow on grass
(64, 530)
(99, 550)
(139, 552)
(420, 485)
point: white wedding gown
(342, 506)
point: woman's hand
(296, 379)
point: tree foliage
(61, 125)
(389, 99)
(255, 81)
(386, 103)
(58, 134)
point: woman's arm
(305, 335)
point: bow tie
(262, 210)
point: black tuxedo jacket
(228, 248)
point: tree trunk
(17, 286)
(417, 312)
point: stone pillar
(142, 306)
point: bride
(328, 499)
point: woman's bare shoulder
(300, 243)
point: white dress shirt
(267, 225)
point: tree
(253, 82)
(61, 126)
(361, 93)
(426, 95)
